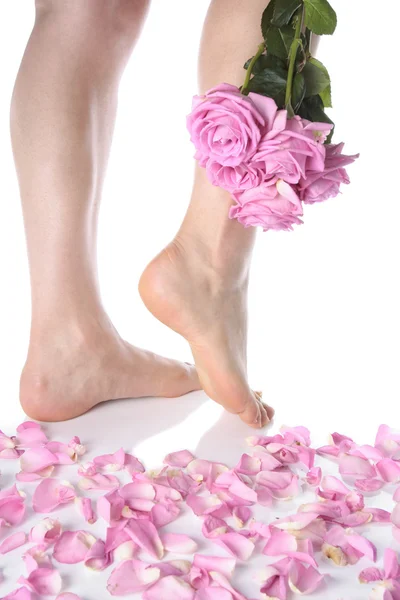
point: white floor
(153, 427)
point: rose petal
(21, 593)
(51, 493)
(110, 506)
(236, 544)
(67, 596)
(46, 531)
(355, 465)
(303, 580)
(84, 506)
(169, 588)
(389, 470)
(111, 462)
(395, 518)
(12, 542)
(73, 546)
(369, 485)
(44, 581)
(145, 535)
(97, 559)
(98, 481)
(130, 577)
(179, 459)
(37, 459)
(226, 566)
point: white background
(324, 299)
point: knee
(111, 25)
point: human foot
(68, 373)
(207, 306)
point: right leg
(62, 119)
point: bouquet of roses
(269, 142)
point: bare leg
(198, 284)
(62, 119)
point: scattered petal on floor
(225, 500)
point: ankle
(70, 331)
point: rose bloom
(292, 146)
(317, 186)
(225, 126)
(271, 205)
(241, 177)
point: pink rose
(225, 126)
(241, 177)
(291, 147)
(317, 186)
(271, 205)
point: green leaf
(320, 17)
(298, 91)
(272, 83)
(265, 61)
(284, 11)
(326, 94)
(267, 18)
(313, 109)
(316, 78)
(279, 41)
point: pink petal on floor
(236, 544)
(296, 522)
(44, 581)
(299, 434)
(110, 506)
(133, 465)
(396, 495)
(138, 495)
(12, 542)
(115, 537)
(163, 514)
(51, 493)
(67, 596)
(275, 586)
(65, 454)
(73, 546)
(369, 485)
(205, 470)
(388, 441)
(111, 462)
(98, 481)
(391, 564)
(78, 448)
(249, 465)
(368, 452)
(389, 470)
(223, 582)
(362, 545)
(6, 443)
(241, 490)
(97, 559)
(145, 535)
(314, 476)
(179, 459)
(213, 593)
(328, 451)
(333, 484)
(242, 514)
(37, 459)
(22, 476)
(169, 588)
(371, 575)
(379, 515)
(395, 517)
(396, 533)
(214, 527)
(46, 531)
(279, 543)
(178, 543)
(130, 577)
(30, 434)
(281, 484)
(303, 580)
(21, 593)
(12, 509)
(85, 508)
(203, 505)
(223, 565)
(10, 453)
(356, 466)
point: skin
(62, 120)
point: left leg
(198, 285)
